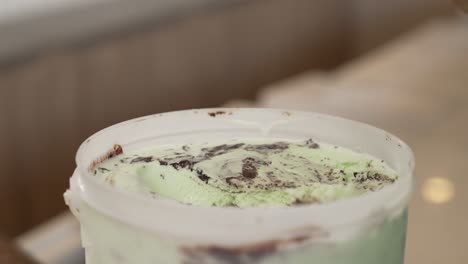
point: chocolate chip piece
(102, 169)
(208, 153)
(142, 159)
(202, 176)
(383, 178)
(249, 170)
(182, 164)
(311, 144)
(216, 113)
(263, 148)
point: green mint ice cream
(247, 173)
(243, 186)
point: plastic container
(121, 227)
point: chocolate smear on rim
(217, 113)
(250, 253)
(115, 151)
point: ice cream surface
(246, 173)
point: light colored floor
(416, 88)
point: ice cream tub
(123, 227)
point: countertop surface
(416, 88)
(11, 255)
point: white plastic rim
(230, 225)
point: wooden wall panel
(53, 101)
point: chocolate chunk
(249, 170)
(182, 164)
(248, 253)
(208, 153)
(202, 176)
(102, 169)
(142, 159)
(263, 148)
(216, 113)
(383, 178)
(311, 144)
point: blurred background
(71, 68)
